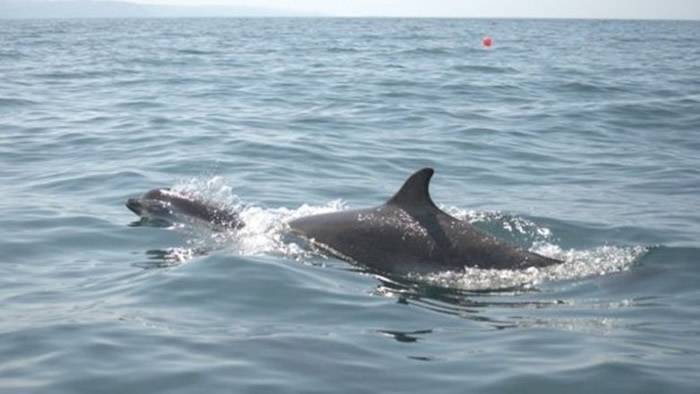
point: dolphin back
(410, 234)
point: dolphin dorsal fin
(414, 192)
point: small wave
(635, 111)
(139, 104)
(482, 69)
(342, 50)
(578, 87)
(67, 75)
(195, 52)
(424, 51)
(15, 102)
(11, 54)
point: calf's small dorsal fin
(414, 192)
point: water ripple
(583, 146)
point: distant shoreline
(121, 9)
(111, 9)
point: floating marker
(487, 41)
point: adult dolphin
(410, 234)
(170, 206)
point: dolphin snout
(134, 205)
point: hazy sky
(655, 9)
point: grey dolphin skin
(167, 205)
(409, 234)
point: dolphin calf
(171, 206)
(410, 234)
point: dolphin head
(155, 204)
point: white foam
(179, 255)
(577, 264)
(215, 190)
(264, 229)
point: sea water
(579, 140)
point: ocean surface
(579, 140)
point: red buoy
(487, 41)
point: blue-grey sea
(579, 140)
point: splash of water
(511, 224)
(216, 191)
(576, 264)
(265, 229)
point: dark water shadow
(170, 257)
(466, 304)
(176, 256)
(146, 222)
(405, 336)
